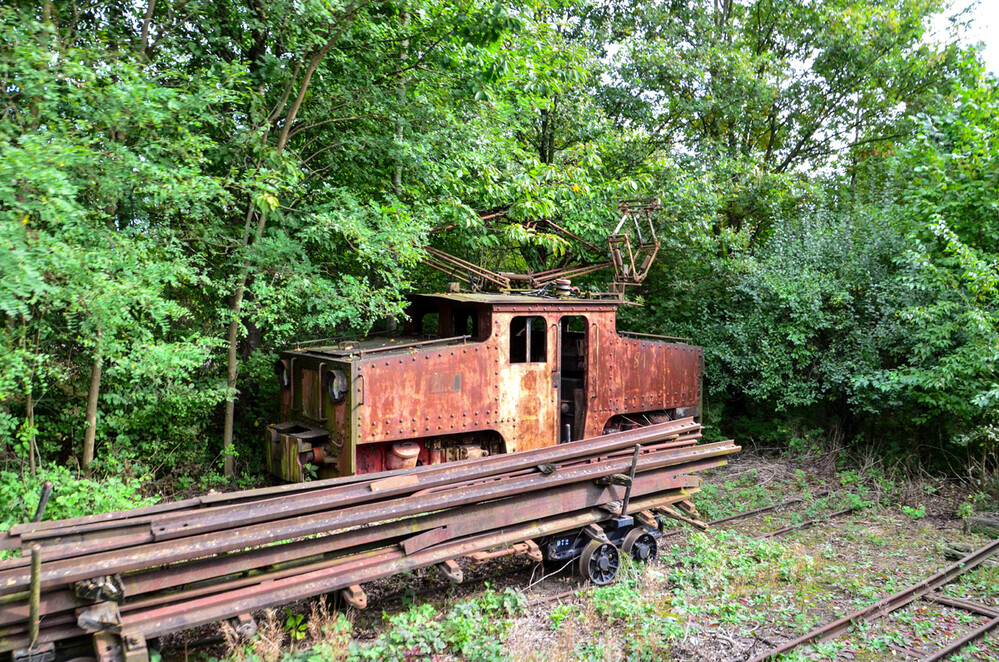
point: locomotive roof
(348, 349)
(352, 349)
(517, 299)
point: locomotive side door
(573, 333)
(527, 390)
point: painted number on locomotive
(445, 382)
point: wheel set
(600, 560)
(641, 545)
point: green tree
(95, 155)
(952, 197)
(764, 90)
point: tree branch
(144, 38)
(314, 61)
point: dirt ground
(730, 593)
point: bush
(72, 496)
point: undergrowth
(473, 629)
(72, 496)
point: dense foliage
(185, 186)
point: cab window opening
(465, 323)
(430, 325)
(528, 340)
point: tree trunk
(91, 423)
(30, 422)
(401, 92)
(232, 336)
(29, 405)
(232, 371)
(232, 363)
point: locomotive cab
(474, 375)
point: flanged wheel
(599, 562)
(640, 545)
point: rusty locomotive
(502, 373)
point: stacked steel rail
(119, 579)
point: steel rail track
(336, 493)
(206, 544)
(887, 605)
(168, 619)
(441, 526)
(138, 534)
(959, 603)
(806, 524)
(973, 636)
(186, 610)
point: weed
(914, 513)
(329, 633)
(982, 500)
(620, 603)
(408, 597)
(857, 500)
(267, 644)
(594, 650)
(848, 478)
(412, 635)
(715, 502)
(807, 444)
(983, 579)
(237, 648)
(295, 625)
(474, 629)
(560, 613)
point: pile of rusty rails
(117, 581)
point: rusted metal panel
(428, 393)
(305, 393)
(640, 376)
(475, 388)
(526, 392)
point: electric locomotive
(475, 374)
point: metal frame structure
(630, 259)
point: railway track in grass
(927, 590)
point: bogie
(595, 563)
